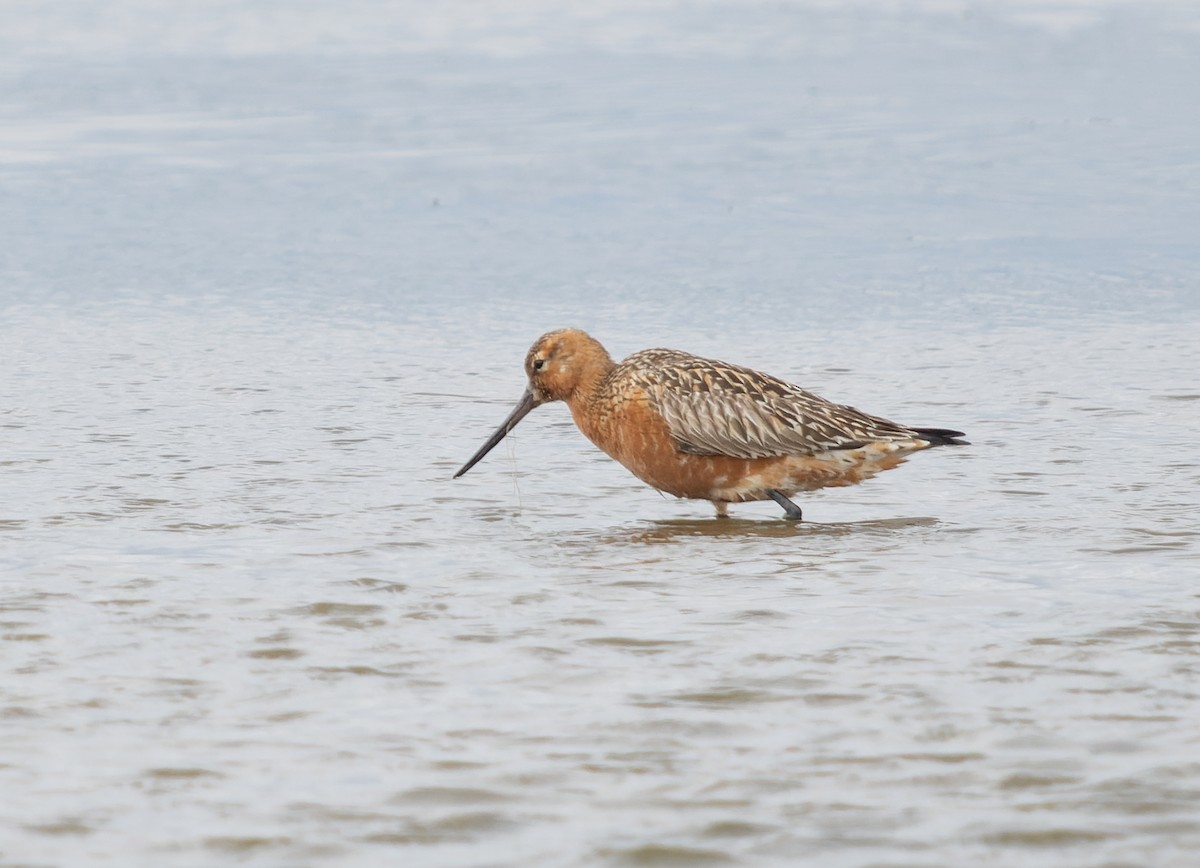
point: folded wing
(714, 408)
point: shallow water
(268, 282)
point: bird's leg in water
(793, 511)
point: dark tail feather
(942, 436)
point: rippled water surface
(268, 276)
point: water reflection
(677, 530)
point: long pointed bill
(527, 403)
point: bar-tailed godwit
(708, 430)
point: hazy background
(267, 274)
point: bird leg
(792, 511)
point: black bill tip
(527, 403)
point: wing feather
(714, 408)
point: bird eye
(538, 364)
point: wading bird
(709, 430)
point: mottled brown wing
(714, 408)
